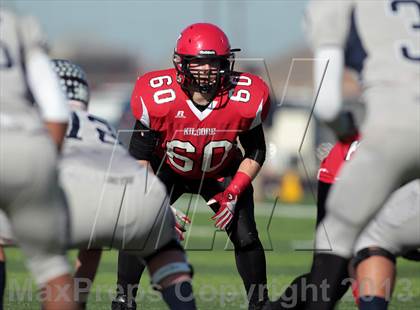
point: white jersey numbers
(163, 95)
(241, 95)
(185, 164)
(160, 80)
(209, 150)
(396, 6)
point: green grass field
(216, 282)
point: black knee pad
(171, 245)
(247, 242)
(413, 255)
(368, 252)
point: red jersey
(330, 166)
(195, 142)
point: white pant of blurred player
(396, 228)
(117, 211)
(388, 157)
(395, 231)
(32, 200)
(113, 211)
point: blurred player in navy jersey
(192, 117)
(389, 155)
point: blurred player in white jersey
(113, 203)
(29, 192)
(389, 155)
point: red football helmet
(203, 59)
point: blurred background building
(115, 41)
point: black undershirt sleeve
(253, 142)
(143, 142)
(323, 189)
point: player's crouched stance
(192, 118)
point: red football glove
(227, 200)
(179, 231)
(181, 220)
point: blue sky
(150, 28)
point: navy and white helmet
(72, 80)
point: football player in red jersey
(191, 118)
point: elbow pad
(257, 155)
(253, 142)
(143, 142)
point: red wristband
(239, 183)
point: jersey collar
(201, 115)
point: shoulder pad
(251, 96)
(151, 92)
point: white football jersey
(18, 37)
(389, 31)
(92, 141)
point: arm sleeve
(328, 81)
(323, 189)
(143, 142)
(262, 112)
(327, 25)
(253, 142)
(45, 88)
(42, 80)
